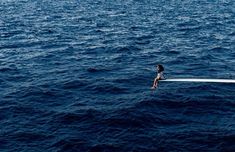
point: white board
(200, 80)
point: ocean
(75, 75)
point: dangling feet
(154, 87)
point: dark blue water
(76, 75)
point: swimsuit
(160, 74)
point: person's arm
(155, 82)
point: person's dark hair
(161, 68)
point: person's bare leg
(155, 83)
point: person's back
(160, 76)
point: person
(160, 76)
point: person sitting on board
(160, 76)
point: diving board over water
(200, 80)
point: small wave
(105, 147)
(74, 84)
(8, 68)
(143, 42)
(5, 69)
(70, 145)
(107, 88)
(97, 69)
(187, 29)
(83, 116)
(126, 49)
(219, 50)
(36, 94)
(124, 122)
(143, 39)
(232, 33)
(228, 140)
(140, 117)
(18, 110)
(29, 136)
